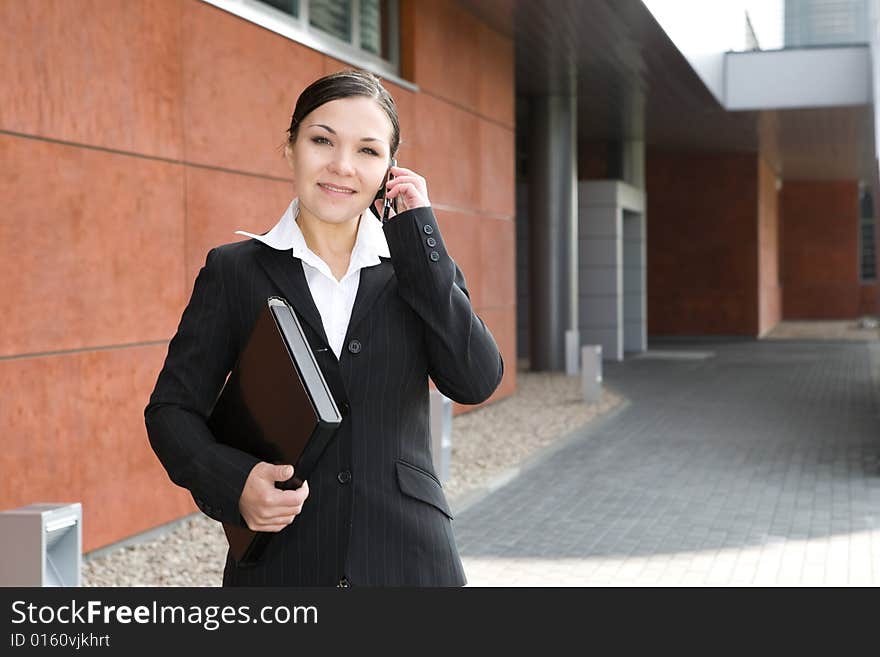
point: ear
(288, 155)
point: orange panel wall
(149, 133)
(820, 252)
(702, 243)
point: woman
(384, 308)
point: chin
(337, 214)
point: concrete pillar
(553, 226)
(613, 287)
(613, 284)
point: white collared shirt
(334, 299)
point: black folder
(277, 406)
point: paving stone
(750, 468)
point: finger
(418, 182)
(280, 472)
(260, 526)
(274, 517)
(282, 507)
(409, 194)
(270, 528)
(291, 497)
(268, 513)
(401, 188)
(403, 171)
(282, 518)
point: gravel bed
(485, 443)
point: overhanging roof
(623, 61)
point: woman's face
(340, 158)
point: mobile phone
(388, 203)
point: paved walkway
(734, 463)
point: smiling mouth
(336, 190)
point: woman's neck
(325, 239)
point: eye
(369, 150)
(320, 140)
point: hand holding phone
(407, 187)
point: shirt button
(343, 583)
(434, 256)
(344, 477)
(431, 241)
(428, 229)
(354, 346)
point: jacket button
(354, 346)
(344, 477)
(434, 256)
(431, 242)
(343, 583)
(428, 229)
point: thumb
(283, 472)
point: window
(288, 6)
(363, 33)
(376, 27)
(867, 237)
(332, 16)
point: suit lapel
(287, 273)
(373, 281)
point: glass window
(332, 16)
(374, 27)
(287, 6)
(362, 33)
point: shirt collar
(369, 245)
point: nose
(341, 163)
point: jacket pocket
(421, 485)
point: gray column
(635, 290)
(612, 264)
(553, 242)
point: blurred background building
(603, 171)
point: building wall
(820, 255)
(702, 243)
(594, 160)
(134, 136)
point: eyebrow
(333, 132)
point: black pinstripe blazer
(376, 513)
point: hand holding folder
(262, 499)
(276, 405)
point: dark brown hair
(345, 84)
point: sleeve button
(434, 256)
